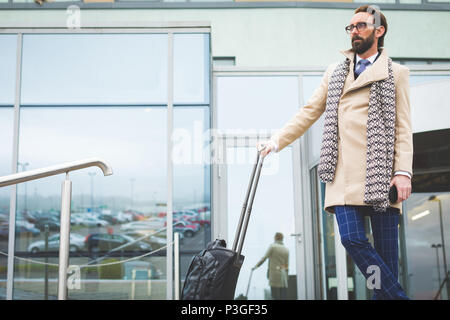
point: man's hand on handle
(266, 147)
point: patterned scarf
(380, 135)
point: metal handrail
(55, 170)
(119, 248)
(66, 198)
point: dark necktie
(363, 64)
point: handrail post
(66, 197)
(177, 264)
(64, 237)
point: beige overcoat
(349, 181)
(277, 271)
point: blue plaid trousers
(384, 254)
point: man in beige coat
(277, 270)
(367, 146)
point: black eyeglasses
(360, 26)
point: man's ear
(380, 31)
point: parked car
(36, 215)
(53, 225)
(185, 228)
(76, 243)
(187, 223)
(75, 219)
(153, 224)
(122, 217)
(189, 215)
(24, 223)
(21, 229)
(153, 240)
(4, 217)
(4, 231)
(24, 230)
(205, 218)
(105, 242)
(107, 217)
(93, 222)
(137, 216)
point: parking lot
(32, 247)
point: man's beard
(363, 45)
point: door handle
(298, 236)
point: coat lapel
(378, 71)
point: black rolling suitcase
(214, 272)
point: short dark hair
(278, 236)
(382, 20)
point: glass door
(273, 213)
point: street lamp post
(437, 246)
(434, 198)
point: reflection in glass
(317, 234)
(191, 68)
(107, 214)
(430, 93)
(6, 141)
(330, 255)
(191, 187)
(324, 250)
(425, 274)
(8, 59)
(426, 216)
(240, 104)
(94, 69)
(268, 217)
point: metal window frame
(15, 159)
(169, 28)
(425, 5)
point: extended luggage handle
(245, 212)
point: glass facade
(426, 211)
(8, 57)
(127, 137)
(329, 279)
(192, 181)
(6, 134)
(325, 277)
(8, 54)
(191, 68)
(242, 106)
(108, 69)
(105, 95)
